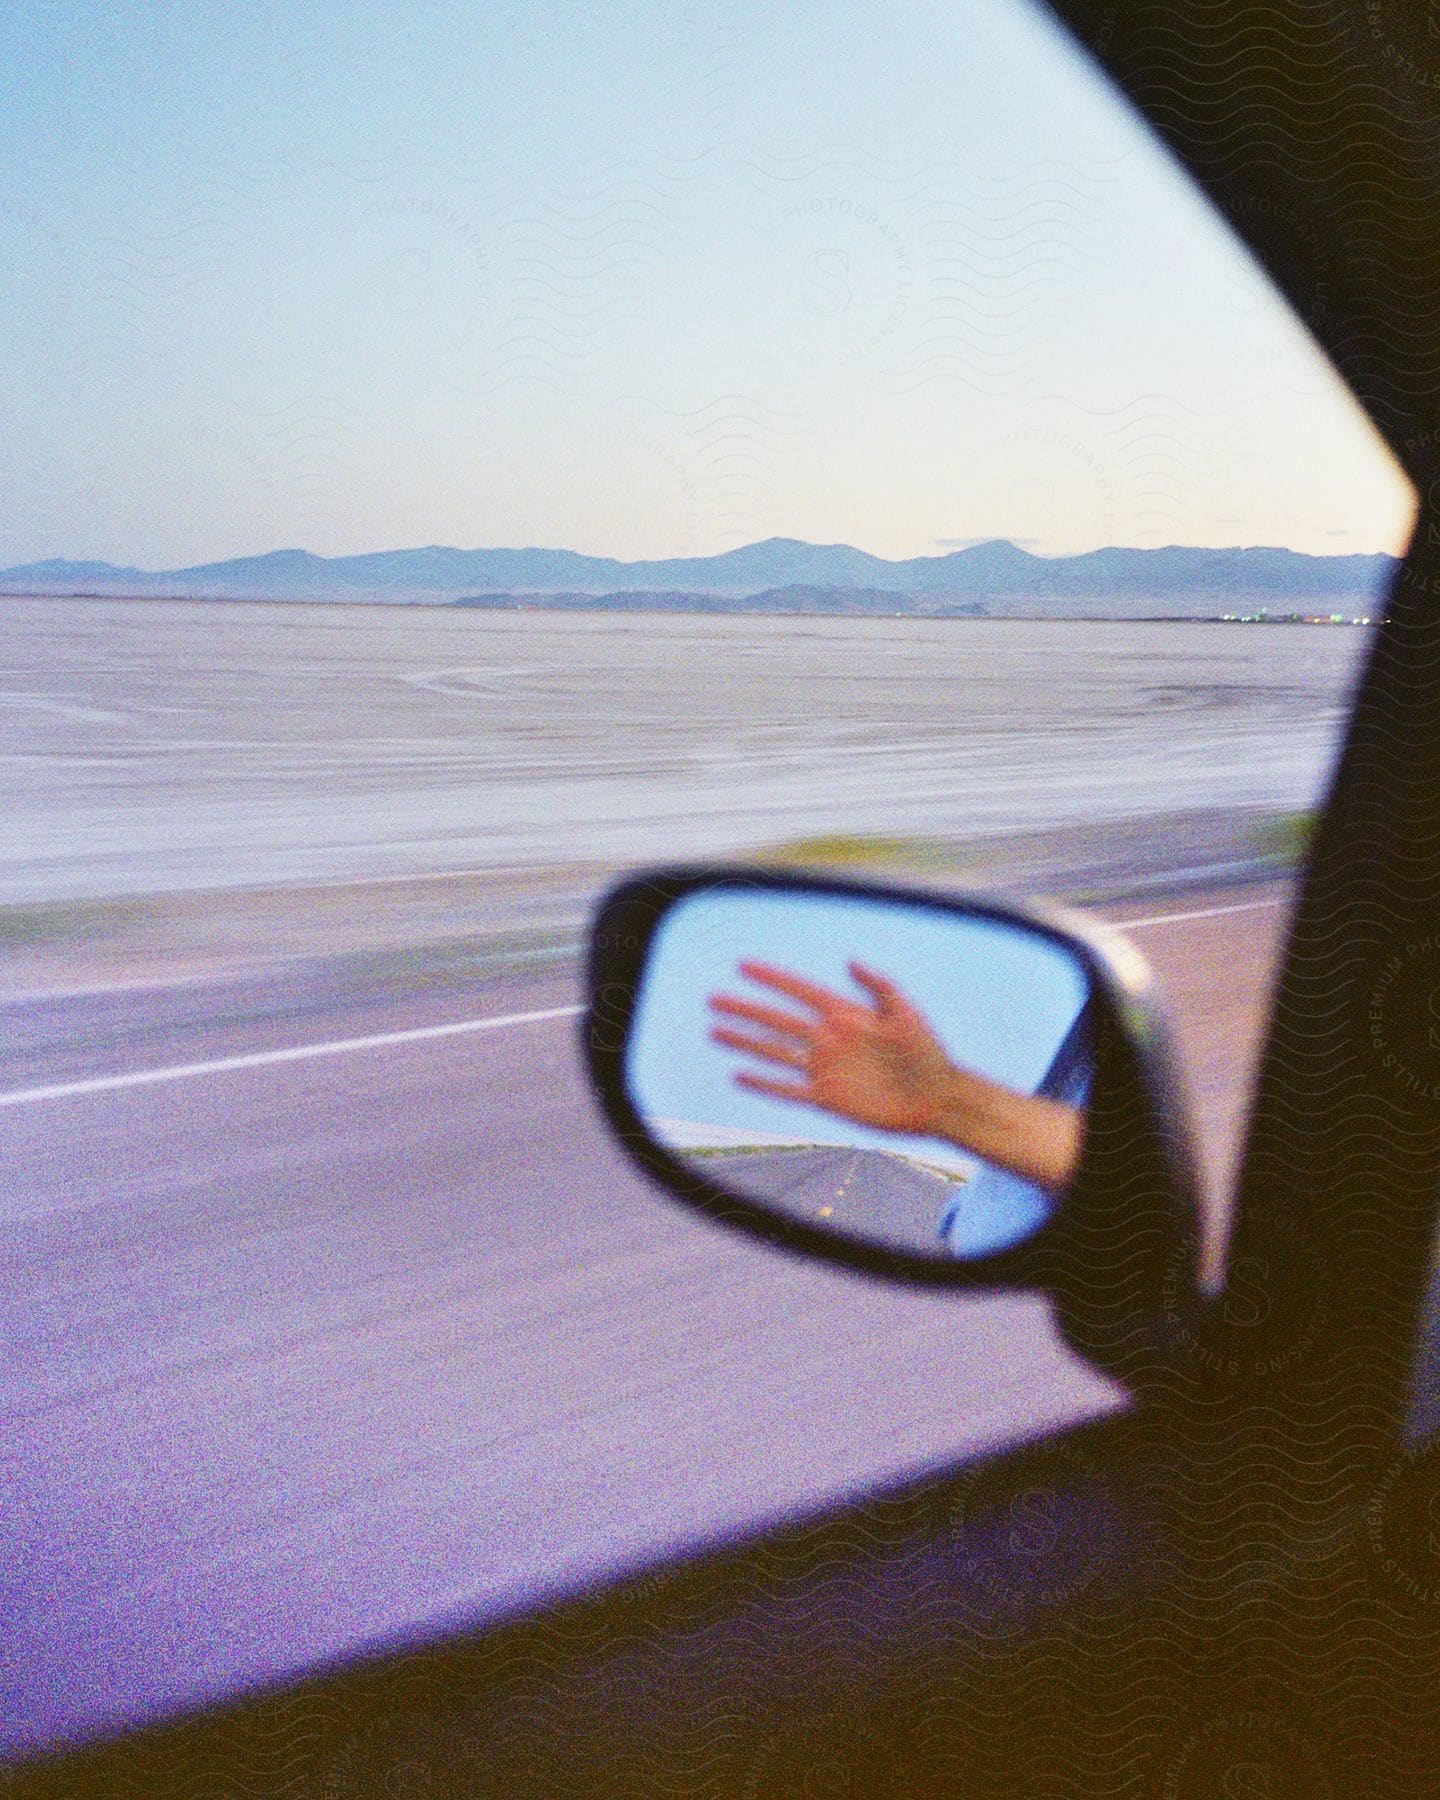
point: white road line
(101, 1084)
(1209, 912)
(259, 1059)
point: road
(310, 1353)
(872, 1195)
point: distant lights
(1266, 618)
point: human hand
(878, 1065)
(882, 1066)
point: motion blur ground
(157, 747)
(347, 1312)
(345, 1329)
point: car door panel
(1090, 1614)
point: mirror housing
(1116, 1248)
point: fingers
(886, 995)
(890, 1003)
(808, 993)
(769, 1016)
(884, 992)
(766, 1048)
(779, 1090)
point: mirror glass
(909, 1075)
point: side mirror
(945, 1092)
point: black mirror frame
(1128, 1020)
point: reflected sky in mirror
(1001, 999)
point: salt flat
(160, 746)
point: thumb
(885, 994)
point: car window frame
(1163, 58)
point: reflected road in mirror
(936, 1108)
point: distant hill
(780, 574)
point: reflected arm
(1035, 1138)
(882, 1066)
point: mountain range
(780, 574)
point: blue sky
(629, 281)
(1000, 1000)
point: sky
(999, 998)
(634, 281)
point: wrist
(1033, 1137)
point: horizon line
(707, 556)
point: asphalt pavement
(335, 1321)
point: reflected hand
(882, 1066)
